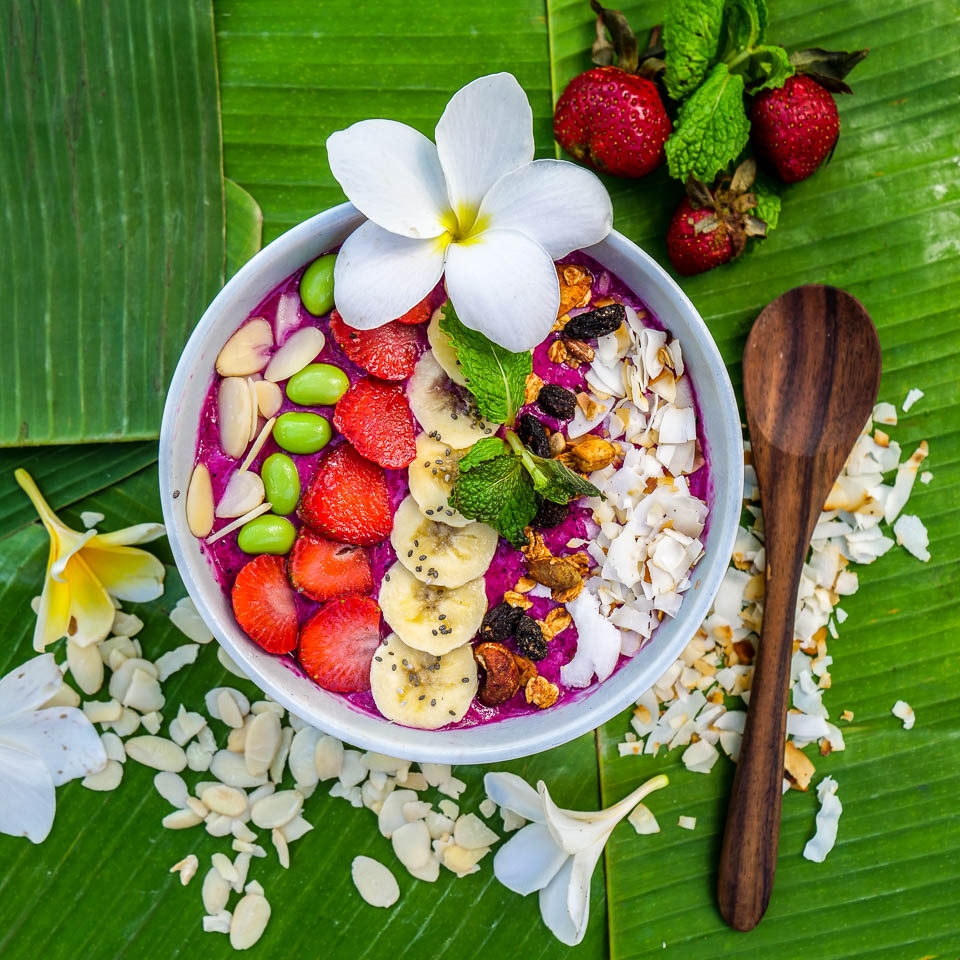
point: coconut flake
(903, 711)
(912, 535)
(828, 819)
(912, 397)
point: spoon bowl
(811, 372)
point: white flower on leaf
(475, 207)
(84, 570)
(557, 852)
(39, 748)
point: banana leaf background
(150, 147)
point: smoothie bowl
(439, 546)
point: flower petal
(578, 889)
(486, 131)
(91, 608)
(559, 204)
(126, 573)
(26, 687)
(529, 860)
(554, 909)
(379, 276)
(504, 284)
(128, 536)
(513, 792)
(392, 175)
(27, 796)
(577, 830)
(62, 737)
(53, 614)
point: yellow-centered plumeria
(85, 570)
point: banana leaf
(112, 194)
(244, 226)
(880, 221)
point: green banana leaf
(111, 188)
(880, 221)
(244, 226)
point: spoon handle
(748, 859)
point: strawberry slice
(421, 313)
(347, 499)
(324, 569)
(338, 642)
(389, 352)
(375, 417)
(264, 604)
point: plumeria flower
(84, 570)
(39, 748)
(556, 853)
(475, 208)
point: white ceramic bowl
(517, 736)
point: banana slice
(420, 690)
(443, 350)
(433, 619)
(432, 476)
(444, 409)
(437, 554)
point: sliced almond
(239, 522)
(234, 412)
(277, 809)
(257, 445)
(225, 800)
(262, 742)
(156, 752)
(269, 398)
(254, 408)
(250, 917)
(243, 492)
(199, 504)
(299, 350)
(247, 351)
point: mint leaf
(496, 377)
(555, 481)
(497, 491)
(768, 203)
(763, 67)
(744, 26)
(712, 128)
(485, 449)
(691, 31)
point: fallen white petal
(380, 275)
(511, 792)
(29, 798)
(559, 204)
(504, 284)
(61, 737)
(486, 130)
(391, 173)
(529, 860)
(30, 685)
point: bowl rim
(476, 744)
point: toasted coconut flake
(903, 711)
(912, 535)
(642, 820)
(911, 398)
(903, 485)
(687, 823)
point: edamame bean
(316, 285)
(281, 481)
(302, 432)
(318, 385)
(267, 534)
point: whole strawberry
(696, 251)
(795, 127)
(613, 121)
(612, 118)
(711, 227)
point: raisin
(596, 323)
(557, 401)
(533, 433)
(500, 622)
(530, 640)
(550, 514)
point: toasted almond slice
(299, 350)
(199, 506)
(247, 351)
(269, 398)
(243, 492)
(258, 443)
(234, 411)
(239, 522)
(254, 408)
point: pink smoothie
(226, 558)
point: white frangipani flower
(39, 748)
(475, 207)
(557, 852)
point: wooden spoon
(811, 371)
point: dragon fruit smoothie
(509, 564)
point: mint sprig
(691, 32)
(496, 377)
(500, 484)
